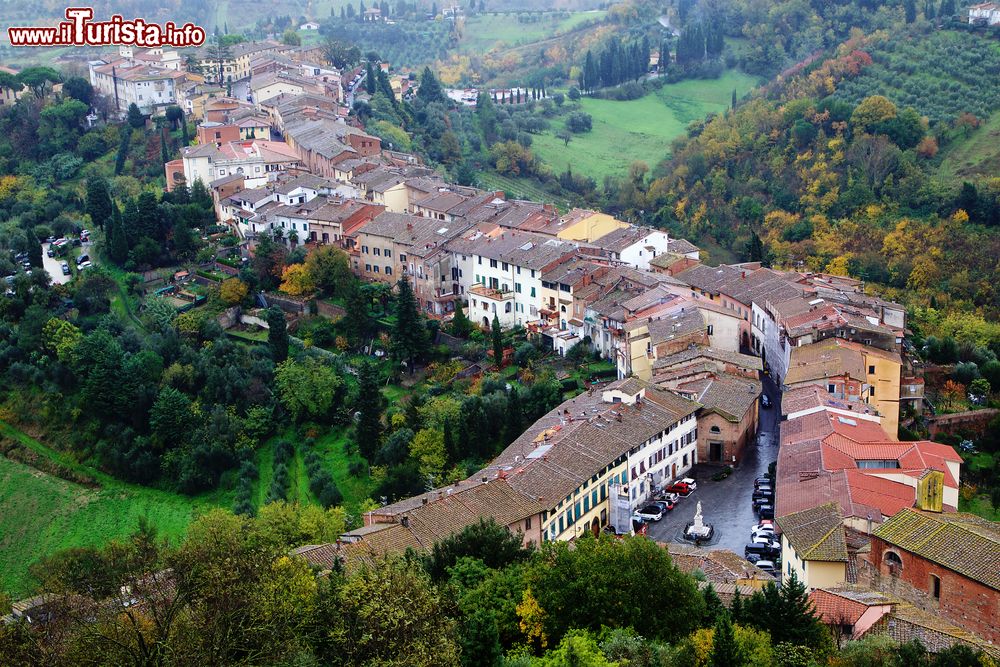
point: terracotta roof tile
(965, 543)
(816, 533)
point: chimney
(409, 225)
(423, 501)
(404, 521)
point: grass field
(642, 129)
(41, 514)
(486, 32)
(979, 155)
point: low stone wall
(974, 420)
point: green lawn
(642, 129)
(980, 506)
(41, 514)
(486, 32)
(979, 155)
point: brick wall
(963, 601)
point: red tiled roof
(834, 609)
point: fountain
(698, 531)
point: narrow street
(726, 504)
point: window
(387, 252)
(506, 267)
(402, 258)
(493, 264)
(527, 523)
(376, 252)
(388, 270)
(715, 429)
(872, 392)
(831, 388)
(871, 370)
(936, 586)
(368, 267)
(709, 329)
(364, 250)
(517, 287)
(893, 562)
(375, 268)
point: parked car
(690, 482)
(680, 488)
(757, 502)
(50, 252)
(65, 268)
(650, 512)
(82, 258)
(762, 480)
(50, 239)
(667, 497)
(763, 495)
(766, 511)
(758, 531)
(768, 540)
(759, 550)
(664, 505)
(765, 402)
(767, 566)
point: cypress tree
(461, 326)
(164, 151)
(725, 651)
(497, 336)
(736, 607)
(98, 201)
(369, 406)
(409, 335)
(733, 104)
(117, 242)
(277, 334)
(514, 425)
(371, 83)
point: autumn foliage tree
(297, 281)
(233, 291)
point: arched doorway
(595, 528)
(745, 342)
(486, 322)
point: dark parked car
(766, 511)
(50, 252)
(766, 481)
(82, 258)
(65, 268)
(664, 505)
(758, 550)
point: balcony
(491, 294)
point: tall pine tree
(116, 240)
(98, 201)
(277, 334)
(409, 338)
(725, 651)
(497, 336)
(370, 404)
